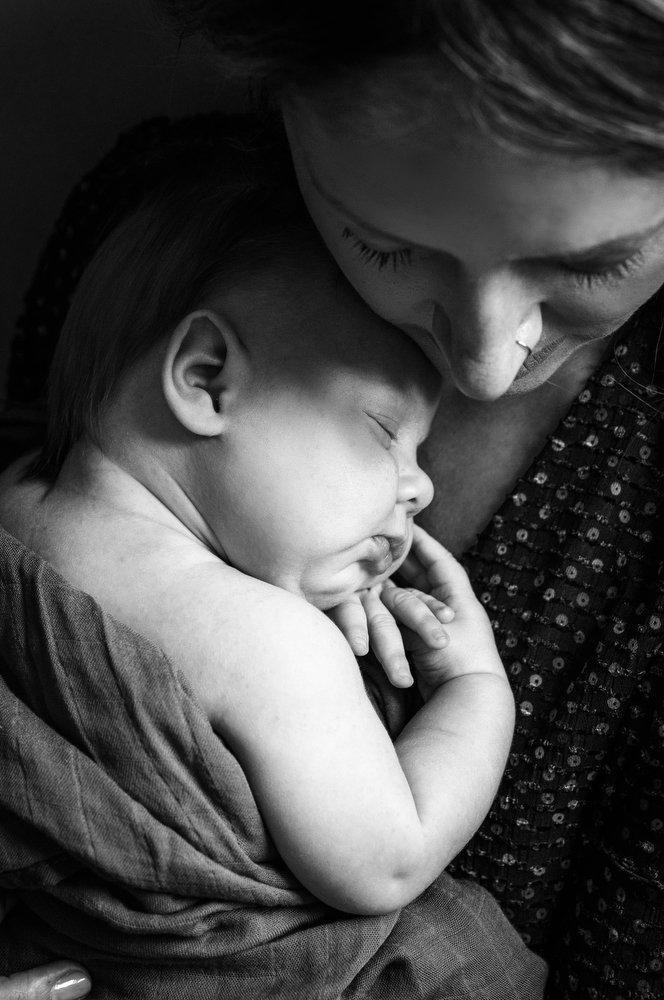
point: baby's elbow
(388, 898)
(376, 894)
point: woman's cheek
(395, 296)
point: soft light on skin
(325, 506)
(312, 481)
(468, 246)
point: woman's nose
(482, 329)
(415, 488)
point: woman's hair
(210, 213)
(576, 77)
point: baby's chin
(331, 595)
(326, 598)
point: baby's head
(215, 351)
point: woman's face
(469, 247)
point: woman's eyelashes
(588, 277)
(378, 258)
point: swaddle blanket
(132, 842)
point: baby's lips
(399, 546)
(386, 551)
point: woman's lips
(537, 357)
(430, 345)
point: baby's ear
(206, 365)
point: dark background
(73, 74)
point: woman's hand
(57, 981)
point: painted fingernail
(70, 986)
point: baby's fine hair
(210, 212)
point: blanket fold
(133, 843)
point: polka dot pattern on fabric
(570, 572)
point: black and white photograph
(332, 500)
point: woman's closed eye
(590, 276)
(399, 257)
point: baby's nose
(415, 489)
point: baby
(232, 451)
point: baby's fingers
(444, 573)
(421, 614)
(386, 639)
(351, 619)
(414, 573)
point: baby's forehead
(352, 350)
(406, 392)
(384, 361)
(380, 384)
(304, 315)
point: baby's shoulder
(227, 633)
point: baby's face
(325, 475)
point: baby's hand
(379, 617)
(471, 647)
(394, 619)
(400, 618)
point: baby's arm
(364, 824)
(463, 684)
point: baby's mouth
(387, 551)
(399, 547)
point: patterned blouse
(570, 570)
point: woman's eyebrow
(624, 244)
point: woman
(489, 177)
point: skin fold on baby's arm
(366, 825)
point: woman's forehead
(461, 184)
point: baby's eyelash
(379, 258)
(391, 435)
(603, 276)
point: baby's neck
(99, 492)
(140, 483)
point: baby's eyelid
(384, 426)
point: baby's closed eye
(387, 428)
